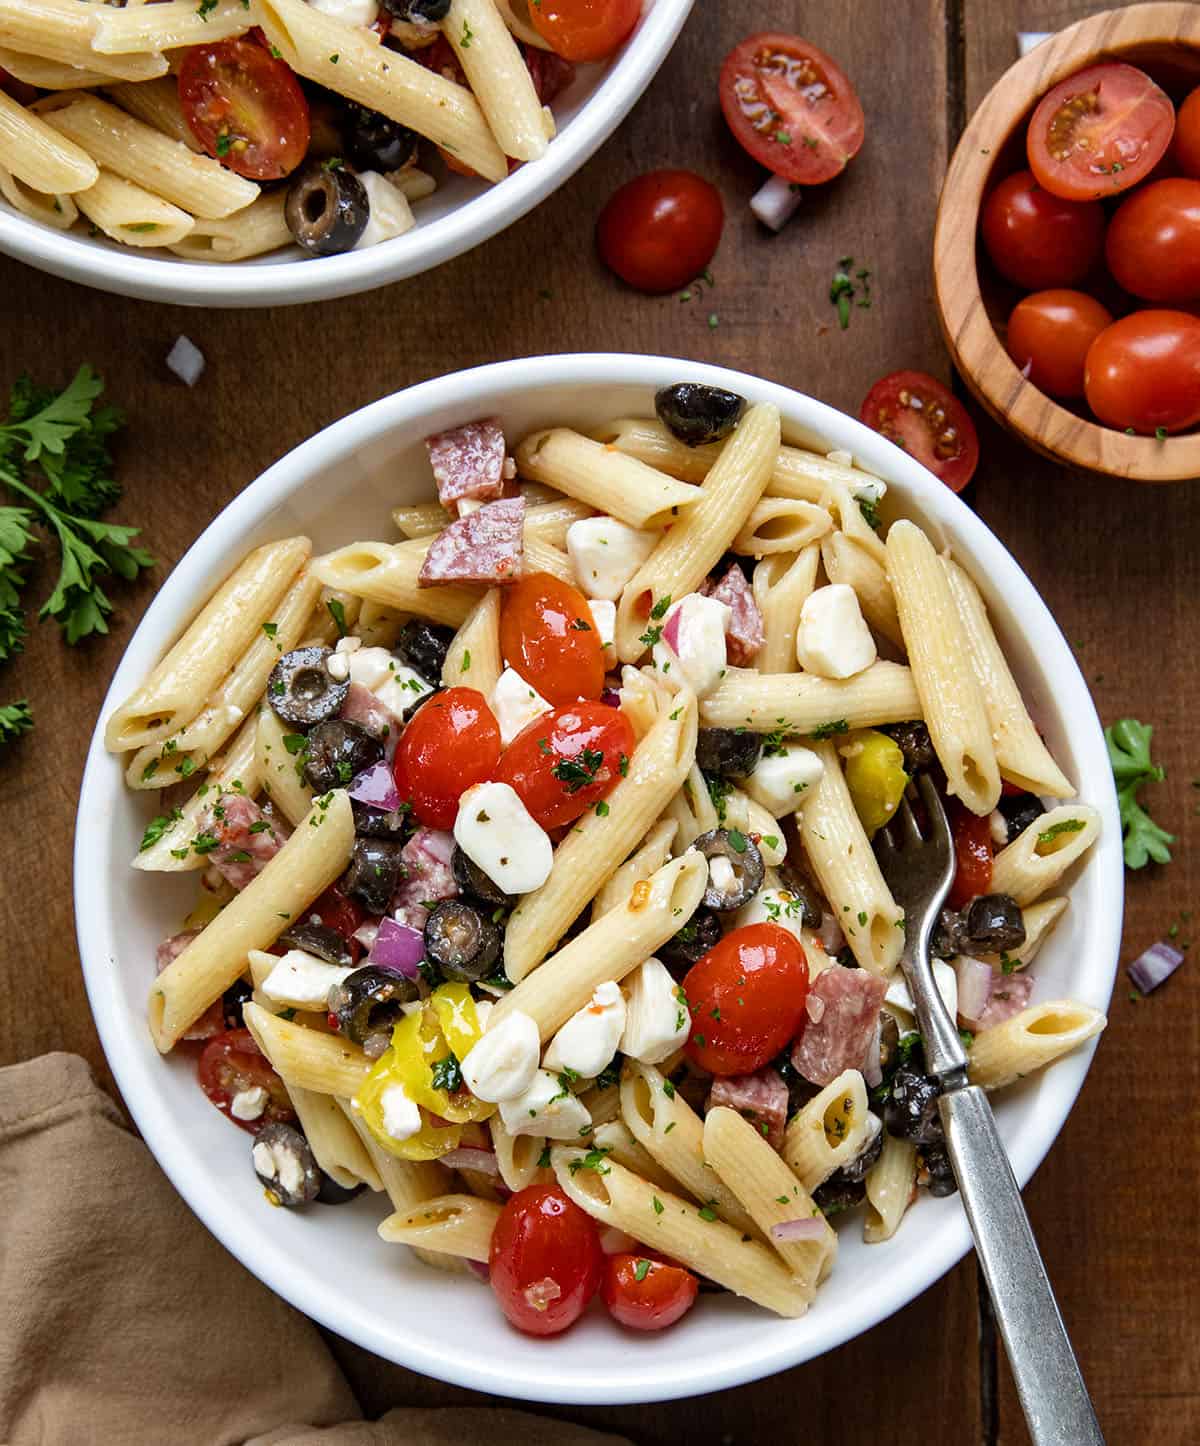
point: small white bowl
(460, 214)
(338, 486)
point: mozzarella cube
(696, 656)
(401, 1117)
(783, 781)
(395, 684)
(299, 980)
(249, 1104)
(390, 214)
(515, 704)
(944, 977)
(604, 616)
(656, 1014)
(833, 639)
(589, 1039)
(606, 553)
(495, 831)
(501, 1065)
(546, 1108)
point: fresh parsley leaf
(446, 1075)
(737, 841)
(869, 507)
(593, 1160)
(1066, 825)
(641, 1270)
(577, 773)
(659, 610)
(338, 613)
(828, 730)
(15, 719)
(157, 827)
(719, 790)
(1129, 754)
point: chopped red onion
(1159, 962)
(375, 786)
(974, 987)
(477, 1267)
(611, 697)
(468, 1158)
(671, 631)
(872, 1069)
(776, 202)
(398, 948)
(809, 1227)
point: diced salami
(246, 839)
(212, 1021)
(840, 1038)
(1009, 995)
(761, 1098)
(486, 546)
(427, 876)
(744, 635)
(468, 462)
(170, 949)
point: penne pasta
(36, 154)
(653, 852)
(257, 229)
(830, 1131)
(781, 524)
(131, 214)
(498, 76)
(49, 74)
(156, 102)
(605, 479)
(280, 768)
(325, 1064)
(57, 211)
(473, 659)
(846, 561)
(1030, 1040)
(1038, 858)
(387, 573)
(890, 1185)
(780, 586)
(168, 25)
(61, 31)
(805, 703)
(450, 1224)
(333, 1140)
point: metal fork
(1053, 1395)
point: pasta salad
(224, 129)
(537, 889)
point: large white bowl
(459, 215)
(340, 486)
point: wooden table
(1114, 1205)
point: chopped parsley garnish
(294, 742)
(204, 7)
(446, 1075)
(641, 1270)
(657, 1204)
(869, 507)
(668, 1089)
(579, 626)
(659, 610)
(706, 1212)
(159, 826)
(772, 744)
(270, 629)
(1129, 755)
(602, 809)
(577, 773)
(544, 1158)
(719, 790)
(338, 613)
(829, 730)
(1066, 825)
(737, 841)
(593, 1160)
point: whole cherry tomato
(452, 743)
(647, 1294)
(918, 413)
(232, 1062)
(746, 998)
(564, 762)
(659, 231)
(1049, 334)
(973, 856)
(585, 29)
(1143, 372)
(547, 636)
(1187, 136)
(1153, 246)
(245, 107)
(545, 1261)
(1036, 239)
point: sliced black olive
(911, 1112)
(285, 1165)
(472, 880)
(338, 750)
(745, 861)
(940, 1171)
(418, 12)
(791, 881)
(461, 940)
(318, 939)
(994, 924)
(370, 1001)
(838, 1193)
(915, 743)
(375, 143)
(378, 823)
(231, 1003)
(889, 1040)
(695, 413)
(374, 872)
(728, 752)
(331, 1193)
(691, 943)
(949, 935)
(424, 646)
(1019, 810)
(327, 209)
(301, 689)
(857, 1168)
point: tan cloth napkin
(124, 1321)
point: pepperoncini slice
(875, 777)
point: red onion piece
(399, 948)
(477, 1267)
(775, 202)
(1159, 962)
(974, 987)
(810, 1227)
(466, 1158)
(671, 631)
(611, 697)
(872, 1069)
(375, 786)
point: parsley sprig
(1129, 754)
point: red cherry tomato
(1036, 239)
(545, 1261)
(647, 1294)
(1186, 150)
(232, 1062)
(659, 231)
(791, 107)
(245, 108)
(1144, 372)
(1049, 334)
(924, 417)
(341, 913)
(585, 29)
(452, 743)
(1153, 247)
(973, 856)
(567, 760)
(1099, 132)
(746, 998)
(546, 634)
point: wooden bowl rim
(972, 339)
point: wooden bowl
(1161, 38)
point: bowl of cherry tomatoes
(1067, 247)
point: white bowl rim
(199, 283)
(102, 788)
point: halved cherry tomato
(1049, 334)
(1144, 372)
(647, 1294)
(1099, 132)
(567, 760)
(918, 413)
(973, 856)
(791, 107)
(585, 29)
(659, 231)
(1186, 149)
(1037, 239)
(546, 633)
(245, 107)
(545, 1262)
(232, 1062)
(746, 998)
(1153, 247)
(452, 743)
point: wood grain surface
(1118, 565)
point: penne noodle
(36, 154)
(781, 584)
(1030, 1040)
(387, 573)
(49, 74)
(781, 524)
(131, 214)
(891, 1184)
(805, 703)
(1039, 856)
(326, 1064)
(830, 1131)
(57, 211)
(845, 561)
(280, 768)
(333, 1140)
(498, 77)
(473, 659)
(156, 102)
(258, 228)
(650, 856)
(168, 25)
(603, 478)
(450, 1224)
(61, 31)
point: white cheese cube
(395, 684)
(604, 616)
(401, 1117)
(390, 214)
(501, 1065)
(833, 639)
(606, 553)
(589, 1039)
(944, 977)
(299, 980)
(696, 657)
(515, 704)
(249, 1104)
(656, 1014)
(495, 831)
(782, 782)
(546, 1108)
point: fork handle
(1053, 1395)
